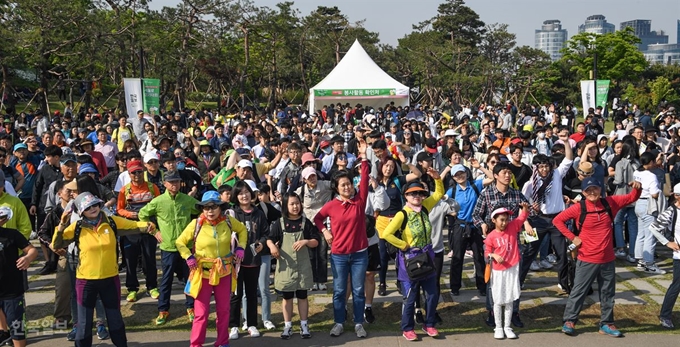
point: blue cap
(20, 146)
(87, 168)
(242, 151)
(457, 168)
(211, 197)
(590, 182)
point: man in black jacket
(50, 172)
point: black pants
(545, 228)
(146, 246)
(438, 264)
(458, 244)
(319, 260)
(108, 290)
(247, 281)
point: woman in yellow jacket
(211, 258)
(416, 238)
(97, 269)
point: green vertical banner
(152, 94)
(602, 90)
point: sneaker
(336, 330)
(71, 336)
(534, 266)
(640, 265)
(287, 333)
(315, 287)
(322, 287)
(450, 254)
(620, 253)
(455, 293)
(6, 337)
(162, 317)
(516, 321)
(191, 315)
(509, 333)
(498, 334)
(545, 264)
(565, 290)
(304, 331)
(468, 254)
(568, 328)
(382, 289)
(132, 296)
(34, 236)
(631, 259)
(253, 332)
(610, 329)
(245, 326)
(48, 269)
(359, 329)
(154, 293)
(666, 323)
(102, 333)
(551, 258)
(233, 333)
(368, 315)
(653, 269)
(419, 317)
(410, 335)
(430, 331)
(269, 325)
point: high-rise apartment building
(551, 38)
(596, 24)
(642, 28)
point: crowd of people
(228, 194)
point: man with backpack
(131, 199)
(173, 210)
(594, 241)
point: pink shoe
(431, 331)
(410, 335)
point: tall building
(551, 38)
(642, 28)
(668, 53)
(596, 24)
(677, 38)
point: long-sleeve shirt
(504, 243)
(46, 175)
(348, 223)
(99, 163)
(98, 248)
(665, 221)
(490, 199)
(20, 220)
(172, 213)
(133, 197)
(597, 243)
(410, 236)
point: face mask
(181, 165)
(541, 136)
(327, 150)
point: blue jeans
(263, 289)
(411, 291)
(172, 262)
(672, 292)
(646, 242)
(354, 265)
(626, 214)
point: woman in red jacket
(348, 241)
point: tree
(661, 91)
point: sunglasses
(4, 217)
(493, 162)
(210, 207)
(136, 173)
(418, 194)
(342, 157)
(153, 162)
(91, 207)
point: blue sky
(394, 19)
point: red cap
(135, 165)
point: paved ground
(180, 339)
(633, 288)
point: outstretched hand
(362, 147)
(433, 173)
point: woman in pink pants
(211, 262)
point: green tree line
(236, 51)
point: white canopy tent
(358, 79)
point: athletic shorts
(373, 258)
(15, 312)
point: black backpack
(584, 212)
(391, 249)
(471, 184)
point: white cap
(245, 163)
(252, 185)
(450, 132)
(388, 136)
(676, 189)
(149, 156)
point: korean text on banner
(133, 95)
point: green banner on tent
(601, 91)
(152, 94)
(355, 92)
